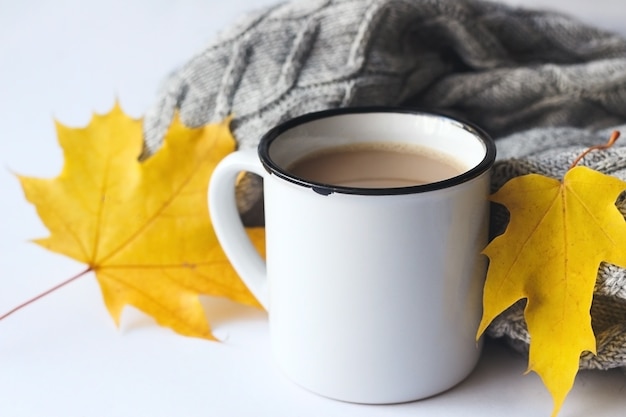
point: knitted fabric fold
(544, 85)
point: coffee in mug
(377, 165)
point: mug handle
(227, 224)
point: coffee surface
(377, 165)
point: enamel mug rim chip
(273, 167)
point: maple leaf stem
(43, 294)
(614, 136)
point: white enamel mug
(374, 295)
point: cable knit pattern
(543, 84)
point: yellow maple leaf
(142, 227)
(557, 236)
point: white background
(63, 356)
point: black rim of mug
(326, 189)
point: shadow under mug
(374, 295)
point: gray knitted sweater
(544, 85)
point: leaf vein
(156, 215)
(589, 212)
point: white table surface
(63, 356)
